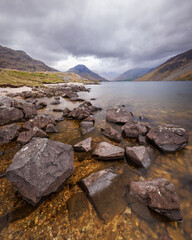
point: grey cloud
(121, 33)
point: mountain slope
(12, 59)
(132, 74)
(84, 72)
(178, 68)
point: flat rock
(56, 102)
(40, 104)
(85, 130)
(168, 138)
(107, 151)
(51, 128)
(159, 195)
(111, 133)
(119, 115)
(135, 129)
(138, 156)
(83, 146)
(9, 133)
(26, 136)
(41, 167)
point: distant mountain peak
(85, 72)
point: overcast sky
(105, 35)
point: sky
(108, 36)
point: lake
(68, 214)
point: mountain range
(132, 74)
(17, 59)
(178, 68)
(85, 72)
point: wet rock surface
(50, 128)
(83, 146)
(40, 168)
(9, 133)
(26, 136)
(107, 151)
(111, 133)
(168, 138)
(135, 129)
(159, 195)
(119, 115)
(138, 156)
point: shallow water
(155, 102)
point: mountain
(178, 68)
(132, 74)
(12, 59)
(84, 72)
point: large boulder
(28, 109)
(10, 114)
(26, 136)
(119, 115)
(40, 168)
(138, 156)
(168, 138)
(107, 151)
(112, 134)
(9, 133)
(134, 129)
(159, 195)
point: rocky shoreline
(42, 166)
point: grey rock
(142, 140)
(26, 136)
(10, 115)
(41, 167)
(83, 146)
(111, 133)
(51, 128)
(9, 133)
(56, 102)
(134, 129)
(119, 115)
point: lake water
(156, 103)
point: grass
(16, 78)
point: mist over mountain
(132, 74)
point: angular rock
(9, 133)
(83, 146)
(66, 112)
(138, 155)
(28, 109)
(56, 102)
(26, 136)
(159, 195)
(59, 118)
(51, 128)
(168, 138)
(134, 129)
(142, 140)
(89, 119)
(41, 167)
(43, 120)
(10, 114)
(40, 104)
(119, 115)
(107, 151)
(111, 133)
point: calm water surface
(156, 102)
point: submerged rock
(135, 129)
(107, 151)
(159, 195)
(26, 136)
(111, 133)
(168, 138)
(9, 133)
(119, 115)
(138, 155)
(83, 146)
(40, 168)
(51, 128)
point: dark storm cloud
(118, 33)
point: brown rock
(9, 133)
(26, 136)
(134, 129)
(111, 133)
(83, 146)
(51, 128)
(119, 115)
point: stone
(40, 168)
(10, 115)
(57, 110)
(168, 138)
(40, 104)
(56, 102)
(138, 156)
(107, 151)
(26, 136)
(28, 109)
(51, 128)
(66, 112)
(90, 118)
(9, 133)
(59, 118)
(87, 129)
(86, 124)
(142, 140)
(119, 115)
(71, 95)
(41, 121)
(159, 195)
(134, 129)
(111, 133)
(83, 146)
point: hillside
(178, 68)
(84, 72)
(12, 59)
(132, 74)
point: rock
(71, 95)
(134, 129)
(59, 118)
(87, 129)
(168, 138)
(29, 124)
(138, 155)
(26, 136)
(107, 151)
(9, 133)
(142, 140)
(56, 102)
(41, 167)
(83, 146)
(40, 104)
(28, 109)
(51, 128)
(159, 195)
(41, 121)
(89, 119)
(66, 112)
(86, 124)
(111, 133)
(57, 110)
(119, 115)
(10, 114)
(1, 154)
(57, 98)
